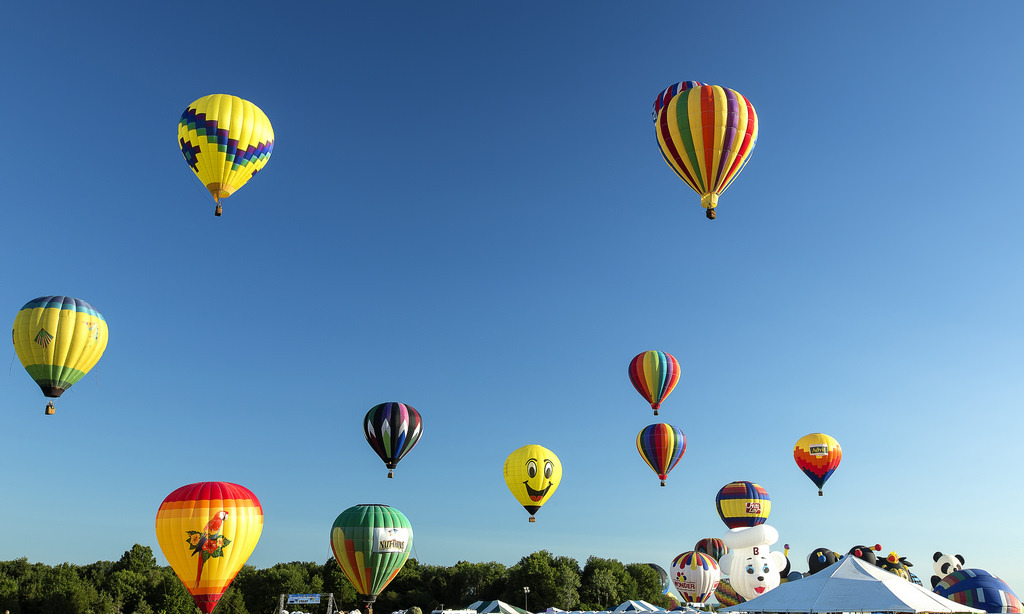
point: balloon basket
(710, 214)
(391, 475)
(821, 494)
(532, 519)
(50, 409)
(218, 210)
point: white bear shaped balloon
(753, 570)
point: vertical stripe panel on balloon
(729, 139)
(692, 134)
(670, 140)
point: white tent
(637, 606)
(850, 585)
(495, 607)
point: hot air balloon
(654, 374)
(695, 576)
(225, 140)
(371, 544)
(711, 546)
(392, 429)
(670, 92)
(706, 134)
(743, 504)
(817, 455)
(978, 588)
(207, 531)
(662, 577)
(726, 595)
(532, 473)
(58, 339)
(661, 446)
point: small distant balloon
(711, 546)
(743, 504)
(817, 455)
(654, 374)
(392, 430)
(661, 446)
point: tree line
(135, 584)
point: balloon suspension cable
(50, 409)
(710, 213)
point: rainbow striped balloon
(661, 446)
(743, 504)
(706, 134)
(654, 374)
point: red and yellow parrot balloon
(207, 531)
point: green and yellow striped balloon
(371, 544)
(58, 340)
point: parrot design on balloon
(210, 531)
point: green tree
(567, 583)
(648, 583)
(604, 583)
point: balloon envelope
(711, 546)
(817, 455)
(532, 474)
(371, 544)
(225, 141)
(743, 504)
(695, 576)
(670, 92)
(661, 446)
(207, 531)
(392, 429)
(662, 576)
(654, 374)
(978, 588)
(706, 135)
(726, 595)
(58, 339)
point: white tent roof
(850, 585)
(636, 606)
(495, 607)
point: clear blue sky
(466, 211)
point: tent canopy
(495, 607)
(636, 606)
(850, 585)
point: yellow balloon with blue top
(58, 339)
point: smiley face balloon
(532, 473)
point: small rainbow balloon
(661, 446)
(743, 504)
(654, 374)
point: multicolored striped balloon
(706, 134)
(711, 546)
(726, 595)
(978, 588)
(58, 339)
(817, 455)
(661, 446)
(371, 544)
(670, 92)
(695, 576)
(654, 374)
(392, 429)
(743, 504)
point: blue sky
(466, 211)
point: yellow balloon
(207, 531)
(532, 473)
(58, 340)
(226, 140)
